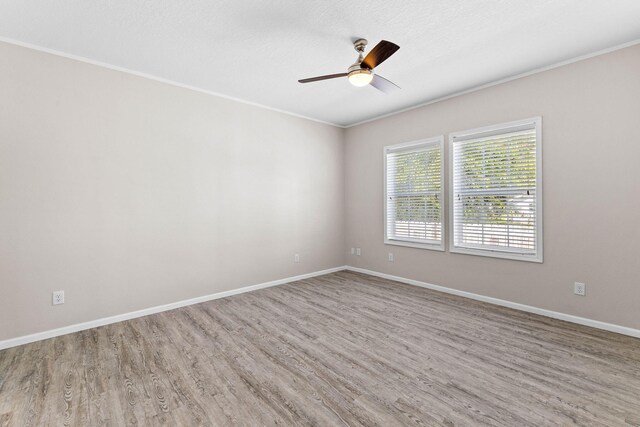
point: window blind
(495, 190)
(414, 193)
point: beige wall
(128, 193)
(591, 180)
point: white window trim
(488, 130)
(407, 242)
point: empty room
(338, 213)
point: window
(496, 191)
(414, 194)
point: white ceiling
(256, 50)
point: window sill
(429, 246)
(496, 254)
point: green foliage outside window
(417, 183)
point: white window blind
(496, 191)
(414, 194)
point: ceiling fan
(361, 72)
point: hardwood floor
(341, 349)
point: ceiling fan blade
(383, 84)
(327, 77)
(379, 54)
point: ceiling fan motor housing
(357, 67)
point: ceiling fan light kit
(360, 77)
(361, 72)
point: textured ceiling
(256, 50)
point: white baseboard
(522, 307)
(13, 342)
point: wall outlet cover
(58, 297)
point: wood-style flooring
(341, 349)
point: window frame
(436, 140)
(484, 131)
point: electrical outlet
(296, 258)
(579, 289)
(358, 252)
(58, 297)
(390, 256)
(353, 251)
